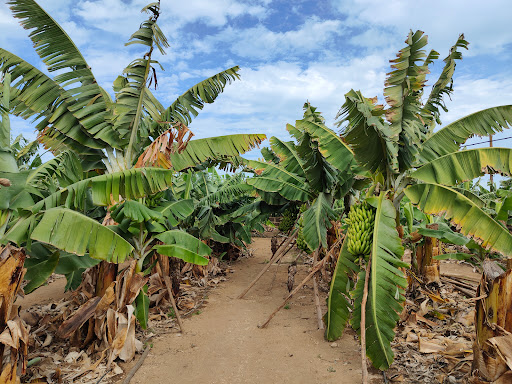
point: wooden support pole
(491, 176)
(297, 288)
(279, 263)
(136, 367)
(315, 291)
(276, 257)
(168, 285)
(364, 366)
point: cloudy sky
(288, 51)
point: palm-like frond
(443, 86)
(444, 201)
(482, 123)
(386, 287)
(374, 144)
(76, 233)
(404, 87)
(86, 100)
(331, 146)
(133, 98)
(66, 167)
(34, 94)
(108, 188)
(186, 106)
(200, 150)
(462, 166)
(227, 193)
(272, 178)
(317, 220)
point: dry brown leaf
(430, 346)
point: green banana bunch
(360, 220)
(301, 243)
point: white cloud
(261, 43)
(473, 94)
(272, 95)
(212, 12)
(120, 17)
(484, 23)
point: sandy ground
(50, 293)
(223, 344)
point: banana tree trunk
(107, 273)
(12, 328)
(426, 266)
(492, 349)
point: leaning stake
(276, 257)
(297, 288)
(171, 297)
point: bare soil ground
(223, 344)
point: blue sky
(289, 52)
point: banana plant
(403, 156)
(225, 207)
(300, 171)
(109, 136)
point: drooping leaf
(339, 303)
(453, 256)
(177, 210)
(200, 150)
(506, 206)
(444, 201)
(135, 211)
(76, 233)
(106, 189)
(317, 220)
(179, 242)
(182, 253)
(276, 179)
(445, 234)
(287, 153)
(330, 144)
(482, 123)
(374, 144)
(461, 166)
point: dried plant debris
(60, 345)
(434, 340)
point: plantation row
(128, 184)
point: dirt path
(223, 344)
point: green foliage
(288, 220)
(301, 243)
(474, 222)
(142, 307)
(75, 233)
